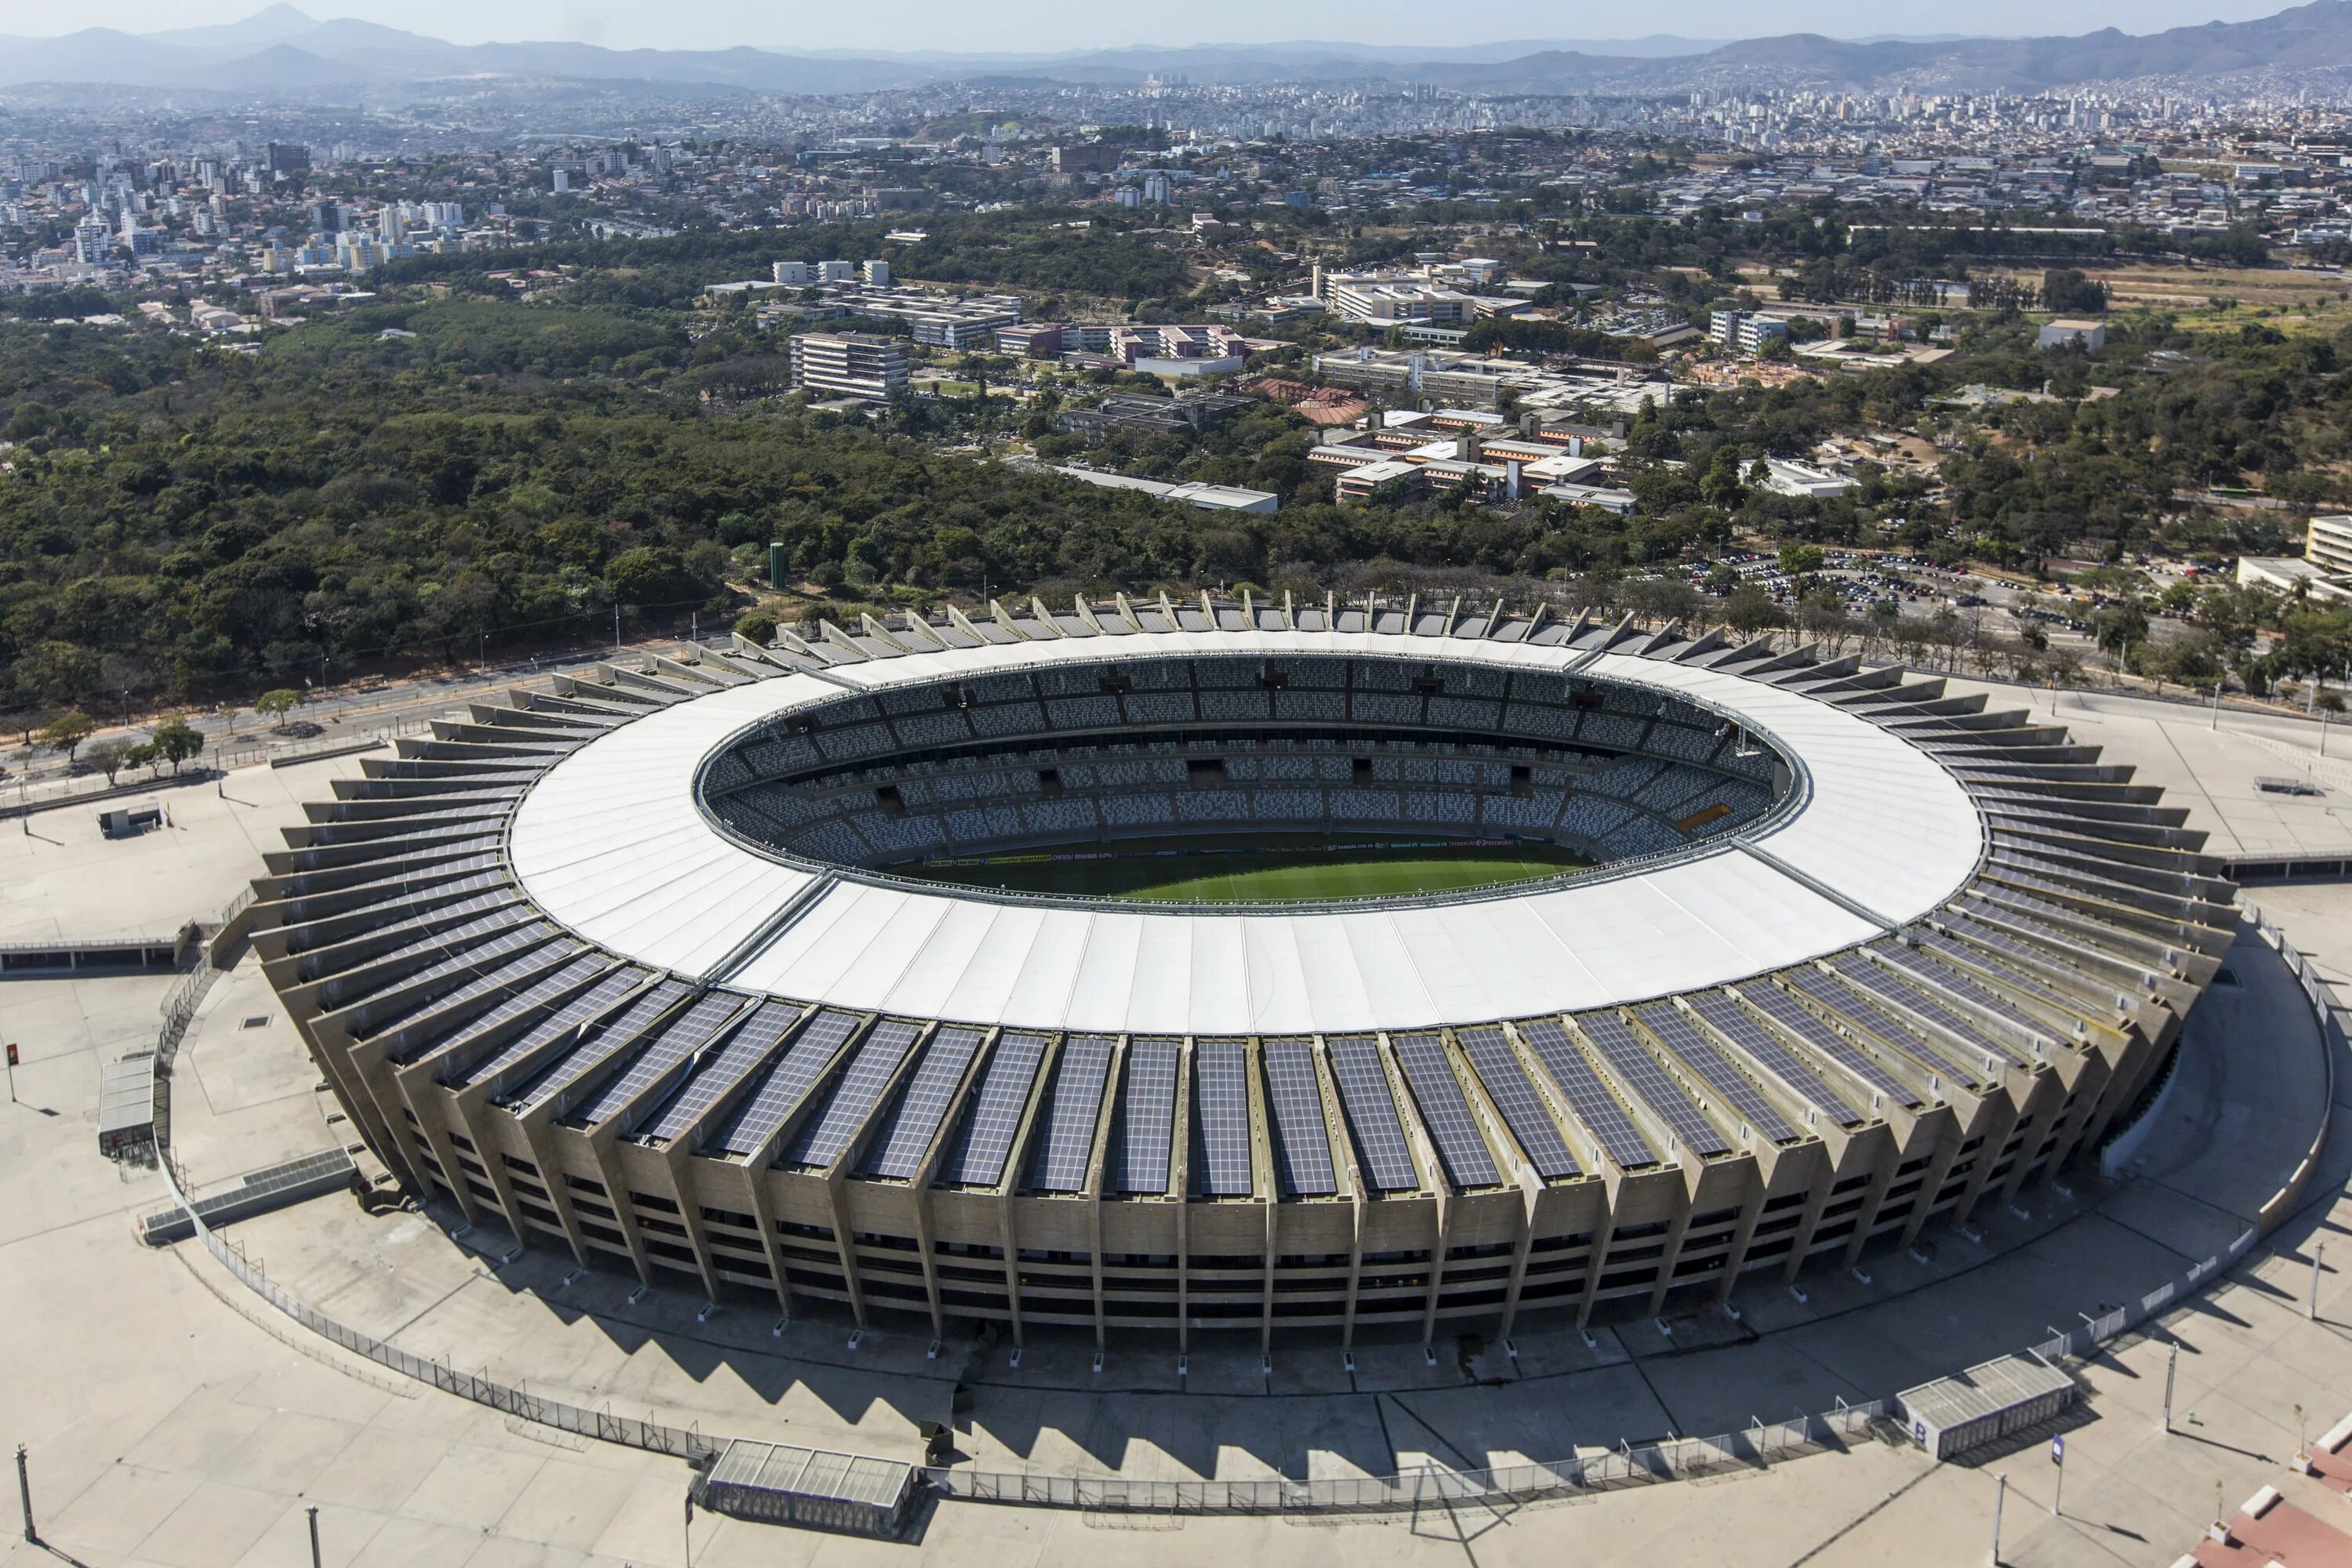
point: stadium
(1184, 966)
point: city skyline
(1058, 24)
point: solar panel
(715, 1074)
(898, 1150)
(1898, 993)
(1371, 1114)
(2033, 959)
(996, 1110)
(1774, 1057)
(2008, 975)
(1147, 1116)
(1587, 1095)
(599, 1045)
(541, 993)
(1075, 1103)
(870, 1071)
(574, 1014)
(486, 981)
(1887, 1030)
(436, 899)
(1221, 1113)
(474, 960)
(448, 941)
(1641, 1072)
(1938, 975)
(1697, 1053)
(790, 1076)
(422, 926)
(1523, 1110)
(684, 1036)
(1776, 1004)
(1301, 1142)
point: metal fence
(248, 752)
(2331, 1041)
(680, 1442)
(2096, 1331)
(1676, 1458)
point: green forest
(179, 520)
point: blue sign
(2057, 1450)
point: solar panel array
(2033, 959)
(716, 1073)
(684, 1035)
(789, 1080)
(539, 993)
(599, 1045)
(996, 1110)
(1147, 1115)
(1221, 1113)
(573, 1015)
(1697, 1053)
(870, 1071)
(898, 1150)
(1897, 990)
(2008, 975)
(1766, 1050)
(1302, 1143)
(1641, 1072)
(1778, 1005)
(1371, 1113)
(1444, 1111)
(1077, 1101)
(1926, 974)
(1888, 1030)
(469, 962)
(1587, 1095)
(486, 982)
(1523, 1109)
(452, 941)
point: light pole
(2000, 1493)
(24, 1496)
(314, 1537)
(2171, 1365)
(2318, 1251)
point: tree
(109, 757)
(276, 705)
(176, 740)
(1750, 610)
(1802, 560)
(67, 731)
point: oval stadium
(1223, 964)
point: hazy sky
(1044, 25)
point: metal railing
(654, 1437)
(2079, 1342)
(2331, 1040)
(1676, 1458)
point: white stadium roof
(612, 844)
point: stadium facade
(657, 970)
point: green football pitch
(1229, 871)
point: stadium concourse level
(1927, 954)
(1147, 748)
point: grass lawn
(1225, 871)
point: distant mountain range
(282, 50)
